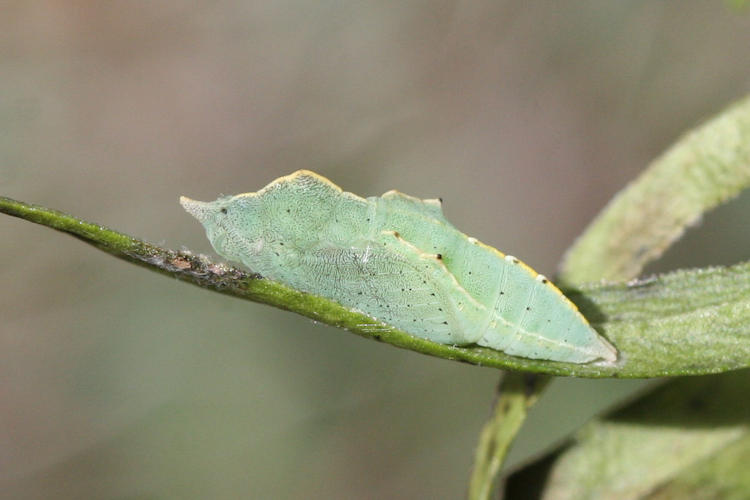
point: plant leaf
(705, 168)
(687, 322)
(686, 437)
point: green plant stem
(516, 394)
(683, 323)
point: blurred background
(526, 117)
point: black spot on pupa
(288, 211)
(223, 210)
(445, 323)
(281, 243)
(528, 308)
(440, 309)
(515, 261)
(545, 281)
(433, 294)
(439, 256)
(440, 199)
(502, 293)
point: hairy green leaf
(707, 167)
(687, 439)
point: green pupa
(397, 259)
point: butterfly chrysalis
(398, 259)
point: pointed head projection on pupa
(221, 219)
(259, 229)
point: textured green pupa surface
(398, 259)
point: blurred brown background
(526, 117)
